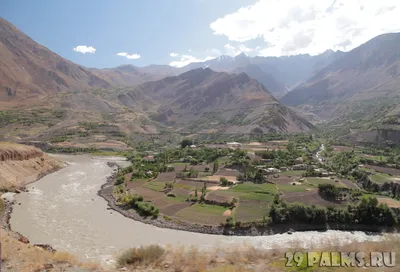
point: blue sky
(178, 32)
(149, 28)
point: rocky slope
(29, 71)
(21, 164)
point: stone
(49, 266)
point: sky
(103, 33)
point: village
(237, 183)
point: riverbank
(106, 192)
(9, 203)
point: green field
(177, 198)
(380, 177)
(289, 188)
(157, 186)
(252, 187)
(251, 191)
(251, 210)
(318, 181)
(293, 173)
(203, 214)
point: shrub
(146, 209)
(229, 221)
(224, 182)
(119, 180)
(141, 255)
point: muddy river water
(63, 210)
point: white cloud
(234, 50)
(187, 59)
(198, 56)
(310, 26)
(133, 56)
(85, 49)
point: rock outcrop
(22, 164)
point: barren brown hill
(29, 71)
(203, 99)
(369, 71)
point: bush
(141, 255)
(224, 182)
(119, 180)
(229, 221)
(146, 209)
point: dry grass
(248, 258)
(28, 258)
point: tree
(186, 142)
(259, 177)
(224, 182)
(216, 167)
(290, 147)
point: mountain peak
(241, 56)
(127, 68)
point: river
(63, 210)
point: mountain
(126, 75)
(276, 88)
(358, 94)
(279, 72)
(369, 71)
(202, 100)
(30, 71)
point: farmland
(218, 184)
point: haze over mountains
(227, 94)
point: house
(284, 169)
(149, 158)
(192, 146)
(271, 170)
(298, 160)
(325, 174)
(266, 160)
(234, 144)
(299, 167)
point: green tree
(216, 167)
(224, 182)
(186, 142)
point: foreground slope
(204, 101)
(30, 71)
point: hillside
(30, 71)
(202, 100)
(367, 72)
(357, 93)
